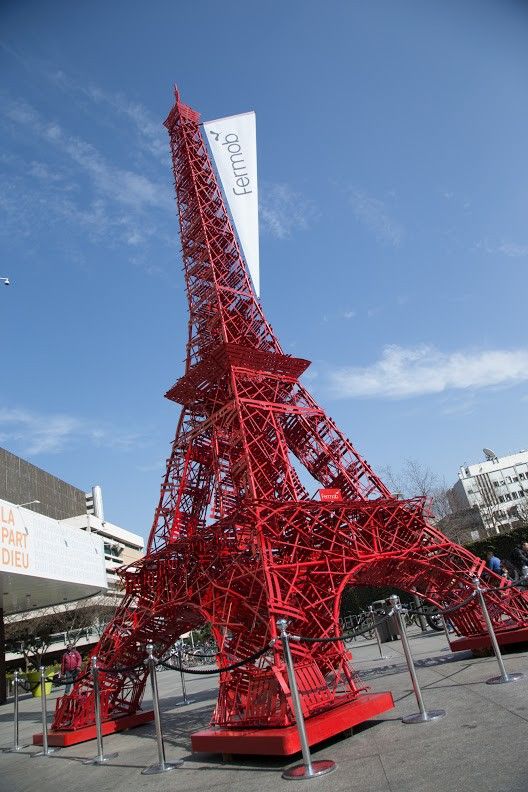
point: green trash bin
(33, 677)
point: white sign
(32, 544)
(233, 142)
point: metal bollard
(182, 677)
(376, 633)
(46, 750)
(162, 766)
(504, 676)
(308, 769)
(424, 715)
(16, 746)
(101, 758)
(446, 631)
(421, 618)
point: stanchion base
(85, 733)
(166, 767)
(185, 702)
(424, 717)
(500, 680)
(284, 740)
(99, 760)
(14, 750)
(49, 752)
(319, 768)
(483, 641)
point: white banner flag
(233, 142)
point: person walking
(519, 559)
(70, 666)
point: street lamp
(28, 503)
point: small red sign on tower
(330, 495)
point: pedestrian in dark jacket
(508, 570)
(70, 666)
(519, 559)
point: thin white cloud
(121, 185)
(348, 314)
(373, 214)
(283, 210)
(513, 250)
(416, 371)
(73, 181)
(38, 433)
(149, 129)
(510, 249)
(463, 403)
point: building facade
(56, 549)
(24, 484)
(497, 487)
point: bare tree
(417, 480)
(31, 637)
(74, 619)
(34, 634)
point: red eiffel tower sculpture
(237, 541)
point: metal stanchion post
(101, 758)
(46, 750)
(182, 677)
(16, 747)
(504, 676)
(421, 618)
(376, 633)
(162, 766)
(424, 715)
(446, 630)
(308, 769)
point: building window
(508, 496)
(514, 494)
(501, 498)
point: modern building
(25, 485)
(55, 545)
(496, 488)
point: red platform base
(65, 738)
(285, 741)
(483, 641)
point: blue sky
(394, 244)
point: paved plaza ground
(479, 746)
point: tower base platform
(476, 642)
(284, 741)
(71, 737)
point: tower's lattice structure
(237, 540)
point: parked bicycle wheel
(435, 620)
